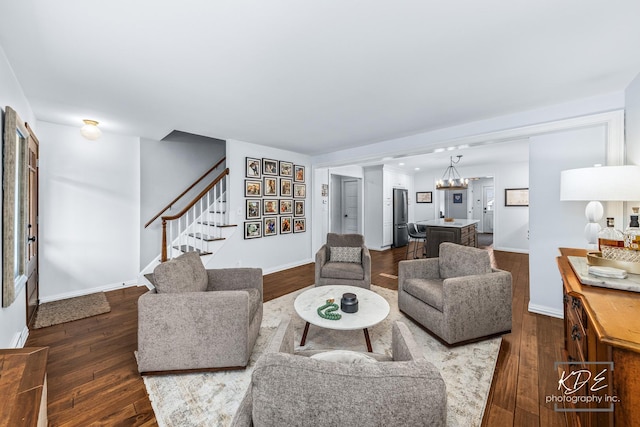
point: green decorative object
(330, 306)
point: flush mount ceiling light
(451, 179)
(90, 130)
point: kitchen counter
(460, 231)
(458, 223)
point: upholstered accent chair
(298, 388)
(343, 260)
(198, 319)
(457, 296)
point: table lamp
(596, 184)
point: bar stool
(416, 236)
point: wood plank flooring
(93, 378)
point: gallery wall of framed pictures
(275, 193)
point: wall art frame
(424, 197)
(516, 197)
(270, 226)
(298, 208)
(299, 225)
(286, 189)
(286, 206)
(269, 167)
(252, 188)
(285, 224)
(270, 187)
(253, 208)
(253, 229)
(286, 169)
(253, 167)
(298, 173)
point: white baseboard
(20, 338)
(505, 249)
(103, 288)
(547, 311)
(287, 266)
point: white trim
(287, 266)
(103, 288)
(517, 250)
(546, 311)
(20, 338)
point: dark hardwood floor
(93, 378)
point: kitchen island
(460, 231)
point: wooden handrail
(185, 210)
(185, 192)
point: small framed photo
(516, 197)
(424, 197)
(252, 188)
(269, 206)
(298, 208)
(270, 226)
(286, 206)
(298, 173)
(269, 167)
(253, 208)
(270, 186)
(252, 229)
(457, 197)
(285, 187)
(286, 169)
(299, 191)
(252, 168)
(285, 224)
(299, 225)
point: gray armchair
(198, 319)
(290, 388)
(343, 260)
(457, 296)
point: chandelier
(451, 179)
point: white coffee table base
(372, 309)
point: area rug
(67, 310)
(211, 399)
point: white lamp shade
(90, 130)
(604, 183)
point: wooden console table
(23, 387)
(603, 325)
(460, 231)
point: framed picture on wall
(269, 167)
(252, 188)
(516, 197)
(299, 225)
(424, 197)
(457, 197)
(253, 167)
(286, 187)
(269, 206)
(286, 206)
(270, 186)
(271, 226)
(286, 169)
(299, 191)
(252, 229)
(253, 208)
(298, 173)
(298, 208)
(285, 224)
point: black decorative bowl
(349, 303)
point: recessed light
(417, 169)
(438, 150)
(401, 164)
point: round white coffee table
(372, 309)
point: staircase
(201, 226)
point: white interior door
(350, 206)
(488, 208)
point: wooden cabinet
(437, 234)
(602, 325)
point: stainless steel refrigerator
(400, 217)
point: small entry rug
(212, 398)
(67, 310)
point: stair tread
(189, 248)
(206, 237)
(217, 225)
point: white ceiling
(312, 77)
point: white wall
(271, 253)
(89, 211)
(13, 321)
(632, 121)
(554, 223)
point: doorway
(33, 287)
(345, 204)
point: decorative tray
(596, 258)
(581, 268)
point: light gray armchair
(290, 388)
(457, 296)
(198, 319)
(343, 260)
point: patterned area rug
(67, 310)
(211, 399)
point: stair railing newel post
(164, 240)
